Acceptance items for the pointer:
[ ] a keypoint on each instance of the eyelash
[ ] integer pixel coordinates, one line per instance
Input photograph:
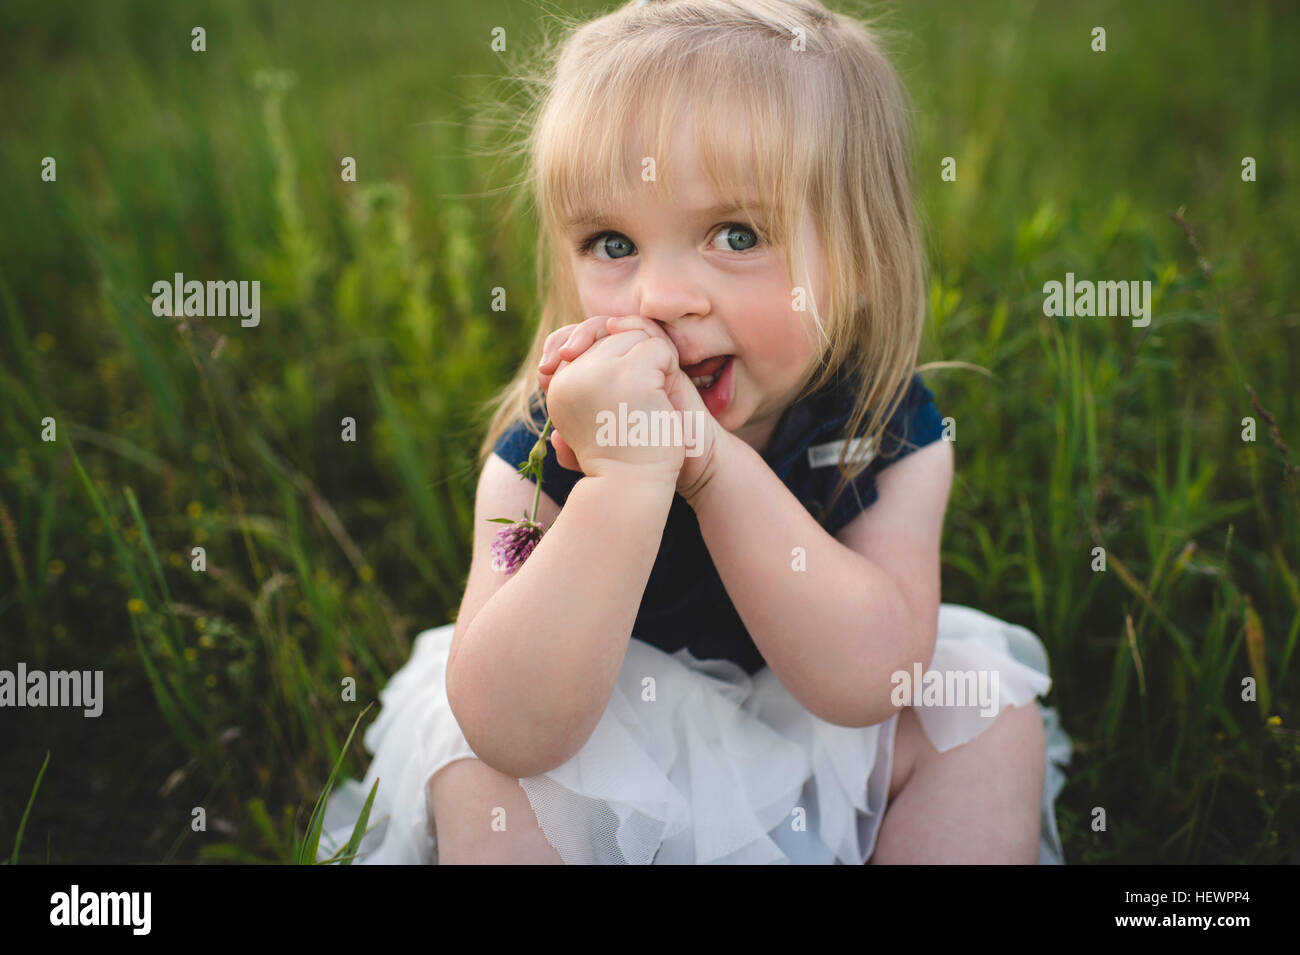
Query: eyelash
(585, 246)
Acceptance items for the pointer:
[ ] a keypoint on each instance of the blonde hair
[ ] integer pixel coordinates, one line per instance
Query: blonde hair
(827, 125)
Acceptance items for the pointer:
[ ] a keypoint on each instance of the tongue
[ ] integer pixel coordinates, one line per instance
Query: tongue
(707, 367)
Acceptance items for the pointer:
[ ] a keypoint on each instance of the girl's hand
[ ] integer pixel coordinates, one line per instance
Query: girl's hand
(561, 348)
(681, 391)
(709, 438)
(633, 367)
(565, 344)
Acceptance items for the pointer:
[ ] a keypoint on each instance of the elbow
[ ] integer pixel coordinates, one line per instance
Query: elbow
(855, 705)
(885, 692)
(869, 708)
(515, 766)
(863, 710)
(514, 752)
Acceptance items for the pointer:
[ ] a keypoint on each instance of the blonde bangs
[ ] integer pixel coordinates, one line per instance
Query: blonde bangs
(627, 110)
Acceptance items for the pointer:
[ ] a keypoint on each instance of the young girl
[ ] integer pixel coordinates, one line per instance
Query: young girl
(728, 646)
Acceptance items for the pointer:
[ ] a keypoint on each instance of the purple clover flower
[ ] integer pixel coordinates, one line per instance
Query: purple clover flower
(513, 544)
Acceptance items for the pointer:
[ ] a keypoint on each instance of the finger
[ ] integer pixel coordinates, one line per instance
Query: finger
(625, 323)
(681, 391)
(583, 337)
(544, 378)
(626, 342)
(619, 343)
(563, 453)
(659, 353)
(553, 343)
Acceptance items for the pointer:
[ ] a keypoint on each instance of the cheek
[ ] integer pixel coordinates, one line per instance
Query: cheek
(598, 298)
(768, 324)
(779, 347)
(587, 296)
(590, 292)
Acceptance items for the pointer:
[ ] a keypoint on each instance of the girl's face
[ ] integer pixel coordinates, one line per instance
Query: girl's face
(715, 284)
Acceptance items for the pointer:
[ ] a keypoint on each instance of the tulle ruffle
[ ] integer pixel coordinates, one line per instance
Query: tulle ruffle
(694, 762)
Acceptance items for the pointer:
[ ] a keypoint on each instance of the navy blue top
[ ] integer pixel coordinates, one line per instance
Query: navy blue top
(685, 603)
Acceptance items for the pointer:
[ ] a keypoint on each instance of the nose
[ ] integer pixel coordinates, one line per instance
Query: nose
(668, 293)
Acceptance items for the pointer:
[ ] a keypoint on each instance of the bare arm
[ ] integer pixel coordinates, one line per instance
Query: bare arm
(867, 603)
(536, 655)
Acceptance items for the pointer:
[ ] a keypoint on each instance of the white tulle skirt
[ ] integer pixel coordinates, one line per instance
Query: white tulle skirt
(721, 768)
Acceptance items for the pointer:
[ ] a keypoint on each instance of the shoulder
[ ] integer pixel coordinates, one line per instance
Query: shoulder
(910, 475)
(914, 424)
(910, 497)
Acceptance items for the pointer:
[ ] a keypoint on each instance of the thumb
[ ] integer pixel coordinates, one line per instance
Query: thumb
(682, 393)
(563, 453)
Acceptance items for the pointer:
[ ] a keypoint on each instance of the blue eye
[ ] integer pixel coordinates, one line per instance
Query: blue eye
(603, 240)
(745, 243)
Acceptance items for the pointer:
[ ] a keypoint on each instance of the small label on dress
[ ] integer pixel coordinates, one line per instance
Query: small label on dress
(820, 455)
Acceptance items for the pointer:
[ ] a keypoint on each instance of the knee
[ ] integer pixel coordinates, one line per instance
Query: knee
(481, 815)
(469, 774)
(466, 788)
(1028, 719)
(1020, 729)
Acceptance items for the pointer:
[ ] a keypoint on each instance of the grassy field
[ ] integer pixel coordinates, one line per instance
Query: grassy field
(325, 557)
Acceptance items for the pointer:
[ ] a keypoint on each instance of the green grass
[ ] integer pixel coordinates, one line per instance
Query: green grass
(325, 557)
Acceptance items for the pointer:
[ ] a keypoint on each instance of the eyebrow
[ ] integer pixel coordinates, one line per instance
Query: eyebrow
(589, 218)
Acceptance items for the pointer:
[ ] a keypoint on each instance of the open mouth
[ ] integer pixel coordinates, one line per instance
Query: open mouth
(713, 377)
(705, 374)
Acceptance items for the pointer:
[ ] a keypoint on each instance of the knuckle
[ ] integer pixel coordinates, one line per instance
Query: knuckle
(558, 336)
(567, 382)
(657, 348)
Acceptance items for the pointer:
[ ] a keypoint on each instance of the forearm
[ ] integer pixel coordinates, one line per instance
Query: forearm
(538, 663)
(833, 632)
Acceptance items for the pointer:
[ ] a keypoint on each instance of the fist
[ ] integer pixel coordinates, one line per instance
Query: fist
(619, 378)
(700, 432)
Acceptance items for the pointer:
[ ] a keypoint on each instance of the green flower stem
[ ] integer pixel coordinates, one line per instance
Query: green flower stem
(536, 460)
